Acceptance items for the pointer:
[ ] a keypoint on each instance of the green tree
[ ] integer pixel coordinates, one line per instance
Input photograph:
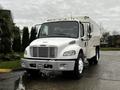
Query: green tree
(33, 34)
(7, 17)
(115, 40)
(25, 38)
(110, 41)
(104, 39)
(5, 37)
(16, 40)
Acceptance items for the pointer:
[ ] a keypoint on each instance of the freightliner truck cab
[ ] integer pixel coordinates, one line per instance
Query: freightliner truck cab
(64, 45)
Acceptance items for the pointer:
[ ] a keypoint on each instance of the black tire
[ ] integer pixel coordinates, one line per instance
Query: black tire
(77, 74)
(67, 74)
(94, 60)
(32, 72)
(97, 56)
(90, 61)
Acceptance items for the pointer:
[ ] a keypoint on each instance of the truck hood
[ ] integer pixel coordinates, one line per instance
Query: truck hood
(52, 41)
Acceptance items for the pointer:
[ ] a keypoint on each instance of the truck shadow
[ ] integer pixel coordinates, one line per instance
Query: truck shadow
(26, 79)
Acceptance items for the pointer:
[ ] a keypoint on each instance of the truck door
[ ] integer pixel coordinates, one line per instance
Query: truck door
(83, 42)
(86, 37)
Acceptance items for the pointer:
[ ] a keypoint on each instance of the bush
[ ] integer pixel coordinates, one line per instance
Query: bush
(9, 57)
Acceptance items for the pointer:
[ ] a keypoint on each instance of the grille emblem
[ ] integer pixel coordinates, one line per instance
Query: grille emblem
(43, 45)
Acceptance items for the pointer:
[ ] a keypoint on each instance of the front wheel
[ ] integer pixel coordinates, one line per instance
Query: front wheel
(79, 65)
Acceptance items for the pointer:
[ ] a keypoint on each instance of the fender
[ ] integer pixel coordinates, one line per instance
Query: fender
(75, 47)
(27, 52)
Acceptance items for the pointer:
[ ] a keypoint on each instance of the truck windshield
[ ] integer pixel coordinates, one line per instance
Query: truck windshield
(69, 29)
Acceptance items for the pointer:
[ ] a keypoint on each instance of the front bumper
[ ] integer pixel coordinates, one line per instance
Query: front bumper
(53, 65)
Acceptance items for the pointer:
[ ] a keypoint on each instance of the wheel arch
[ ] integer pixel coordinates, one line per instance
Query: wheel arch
(80, 51)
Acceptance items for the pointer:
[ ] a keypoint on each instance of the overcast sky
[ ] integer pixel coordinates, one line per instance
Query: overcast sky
(30, 12)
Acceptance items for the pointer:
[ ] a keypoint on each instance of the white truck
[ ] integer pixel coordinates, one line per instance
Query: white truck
(64, 45)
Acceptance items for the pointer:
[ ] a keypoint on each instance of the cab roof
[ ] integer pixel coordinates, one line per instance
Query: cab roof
(81, 19)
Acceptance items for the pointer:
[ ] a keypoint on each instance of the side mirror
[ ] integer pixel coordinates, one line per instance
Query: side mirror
(89, 32)
(89, 35)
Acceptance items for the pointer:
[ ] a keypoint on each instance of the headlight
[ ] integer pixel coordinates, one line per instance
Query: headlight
(69, 53)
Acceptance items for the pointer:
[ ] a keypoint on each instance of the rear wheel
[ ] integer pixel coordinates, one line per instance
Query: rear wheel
(94, 60)
(97, 56)
(90, 61)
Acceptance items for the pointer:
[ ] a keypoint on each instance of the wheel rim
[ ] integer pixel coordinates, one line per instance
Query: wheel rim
(80, 65)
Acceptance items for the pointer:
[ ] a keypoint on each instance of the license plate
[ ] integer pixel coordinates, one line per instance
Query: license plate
(48, 66)
(40, 66)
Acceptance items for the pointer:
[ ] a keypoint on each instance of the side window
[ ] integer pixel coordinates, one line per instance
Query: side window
(89, 30)
(92, 27)
(44, 31)
(81, 30)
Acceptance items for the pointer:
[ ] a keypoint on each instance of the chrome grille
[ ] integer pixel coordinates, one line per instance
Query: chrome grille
(50, 52)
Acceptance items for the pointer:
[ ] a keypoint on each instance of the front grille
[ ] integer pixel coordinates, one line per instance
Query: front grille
(49, 52)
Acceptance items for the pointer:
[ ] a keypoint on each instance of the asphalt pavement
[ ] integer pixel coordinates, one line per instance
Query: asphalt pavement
(104, 76)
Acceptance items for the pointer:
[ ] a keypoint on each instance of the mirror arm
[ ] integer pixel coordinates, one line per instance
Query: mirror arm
(83, 39)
